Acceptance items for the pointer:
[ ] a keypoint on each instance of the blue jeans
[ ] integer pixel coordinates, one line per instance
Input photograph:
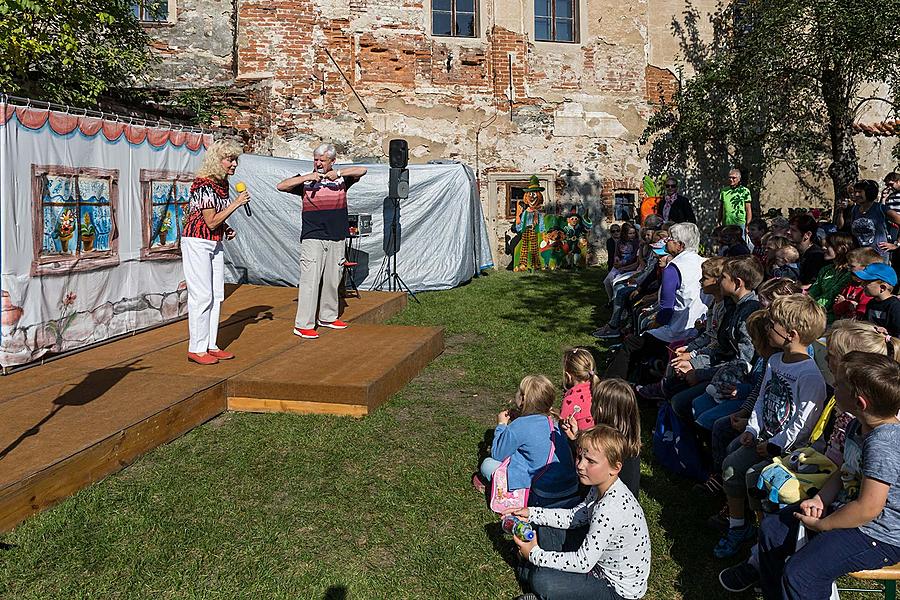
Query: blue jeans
(621, 295)
(810, 571)
(683, 401)
(707, 411)
(552, 584)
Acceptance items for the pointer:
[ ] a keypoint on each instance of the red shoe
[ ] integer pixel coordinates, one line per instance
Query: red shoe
(205, 359)
(307, 334)
(336, 324)
(220, 354)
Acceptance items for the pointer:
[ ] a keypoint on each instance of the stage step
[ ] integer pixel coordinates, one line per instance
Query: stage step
(348, 372)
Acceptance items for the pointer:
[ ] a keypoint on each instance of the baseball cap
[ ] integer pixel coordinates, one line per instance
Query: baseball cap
(659, 248)
(878, 272)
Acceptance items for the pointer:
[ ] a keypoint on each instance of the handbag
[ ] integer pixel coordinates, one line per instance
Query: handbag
(503, 498)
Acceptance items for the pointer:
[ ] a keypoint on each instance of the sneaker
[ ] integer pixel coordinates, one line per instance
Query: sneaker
(220, 354)
(202, 359)
(607, 333)
(528, 596)
(739, 578)
(336, 324)
(654, 391)
(732, 541)
(307, 334)
(711, 487)
(719, 521)
(478, 484)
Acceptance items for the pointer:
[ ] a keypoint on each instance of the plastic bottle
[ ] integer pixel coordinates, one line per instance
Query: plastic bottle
(517, 527)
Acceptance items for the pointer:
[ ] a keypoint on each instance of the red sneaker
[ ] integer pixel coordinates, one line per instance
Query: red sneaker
(336, 324)
(205, 359)
(220, 354)
(308, 334)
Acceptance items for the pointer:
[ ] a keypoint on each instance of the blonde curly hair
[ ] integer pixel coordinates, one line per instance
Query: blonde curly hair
(211, 167)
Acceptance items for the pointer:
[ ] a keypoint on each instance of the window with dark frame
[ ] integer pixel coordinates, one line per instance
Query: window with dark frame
(456, 18)
(515, 192)
(555, 20)
(151, 11)
(624, 206)
(165, 197)
(74, 219)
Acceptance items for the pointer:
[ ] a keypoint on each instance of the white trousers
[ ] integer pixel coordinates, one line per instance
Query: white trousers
(321, 261)
(204, 273)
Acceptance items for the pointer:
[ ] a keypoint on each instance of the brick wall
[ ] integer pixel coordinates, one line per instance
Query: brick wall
(661, 85)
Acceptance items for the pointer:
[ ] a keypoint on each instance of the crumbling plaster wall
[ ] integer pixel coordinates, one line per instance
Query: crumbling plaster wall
(500, 102)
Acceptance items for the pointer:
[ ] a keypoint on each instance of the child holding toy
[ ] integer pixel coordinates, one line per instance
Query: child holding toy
(862, 529)
(579, 379)
(613, 561)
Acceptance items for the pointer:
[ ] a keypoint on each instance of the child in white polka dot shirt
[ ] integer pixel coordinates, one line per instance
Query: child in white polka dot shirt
(613, 561)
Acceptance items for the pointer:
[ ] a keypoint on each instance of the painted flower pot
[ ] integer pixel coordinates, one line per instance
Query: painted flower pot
(162, 237)
(64, 242)
(11, 312)
(87, 243)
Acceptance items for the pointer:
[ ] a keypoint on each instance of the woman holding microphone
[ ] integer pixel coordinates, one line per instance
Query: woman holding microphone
(201, 248)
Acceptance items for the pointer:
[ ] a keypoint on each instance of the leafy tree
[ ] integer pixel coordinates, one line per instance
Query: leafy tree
(776, 82)
(71, 51)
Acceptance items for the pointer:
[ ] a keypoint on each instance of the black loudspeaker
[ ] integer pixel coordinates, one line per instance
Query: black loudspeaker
(399, 154)
(398, 183)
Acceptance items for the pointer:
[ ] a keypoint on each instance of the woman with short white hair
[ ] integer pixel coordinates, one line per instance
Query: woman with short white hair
(201, 248)
(680, 303)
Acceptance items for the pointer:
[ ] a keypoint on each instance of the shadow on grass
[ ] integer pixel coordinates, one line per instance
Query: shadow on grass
(504, 546)
(682, 516)
(547, 297)
(335, 592)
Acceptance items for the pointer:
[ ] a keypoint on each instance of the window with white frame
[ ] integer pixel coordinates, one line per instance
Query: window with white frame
(456, 18)
(151, 11)
(556, 20)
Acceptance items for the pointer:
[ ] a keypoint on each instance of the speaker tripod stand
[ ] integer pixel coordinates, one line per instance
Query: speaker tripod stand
(391, 278)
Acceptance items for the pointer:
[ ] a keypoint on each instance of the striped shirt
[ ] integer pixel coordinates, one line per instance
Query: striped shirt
(325, 209)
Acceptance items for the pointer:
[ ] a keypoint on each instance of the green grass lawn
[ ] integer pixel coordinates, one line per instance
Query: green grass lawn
(285, 506)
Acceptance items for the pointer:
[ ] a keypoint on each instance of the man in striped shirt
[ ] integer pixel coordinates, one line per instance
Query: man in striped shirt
(325, 227)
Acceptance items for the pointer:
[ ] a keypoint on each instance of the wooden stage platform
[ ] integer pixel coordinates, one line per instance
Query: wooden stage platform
(72, 421)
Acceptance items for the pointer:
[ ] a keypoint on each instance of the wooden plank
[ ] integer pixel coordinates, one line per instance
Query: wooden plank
(55, 483)
(270, 405)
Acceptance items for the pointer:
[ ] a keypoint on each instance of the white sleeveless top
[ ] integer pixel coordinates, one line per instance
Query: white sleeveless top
(689, 304)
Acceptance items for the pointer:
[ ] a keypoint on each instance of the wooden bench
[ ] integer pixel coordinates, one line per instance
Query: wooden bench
(889, 575)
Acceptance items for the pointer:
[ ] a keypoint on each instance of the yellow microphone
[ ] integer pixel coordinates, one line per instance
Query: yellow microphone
(241, 187)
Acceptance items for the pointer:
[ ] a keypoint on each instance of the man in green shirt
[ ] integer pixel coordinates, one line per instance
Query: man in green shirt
(734, 202)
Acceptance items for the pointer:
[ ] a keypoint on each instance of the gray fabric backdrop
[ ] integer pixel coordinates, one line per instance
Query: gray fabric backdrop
(443, 237)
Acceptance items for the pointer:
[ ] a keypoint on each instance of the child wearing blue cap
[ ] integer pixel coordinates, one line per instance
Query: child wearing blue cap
(879, 280)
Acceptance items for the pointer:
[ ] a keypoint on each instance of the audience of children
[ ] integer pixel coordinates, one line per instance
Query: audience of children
(740, 332)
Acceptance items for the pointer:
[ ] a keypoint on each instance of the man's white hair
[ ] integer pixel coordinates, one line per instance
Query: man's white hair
(325, 150)
(686, 233)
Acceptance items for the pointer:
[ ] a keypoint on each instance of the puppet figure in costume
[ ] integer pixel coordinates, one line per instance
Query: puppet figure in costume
(553, 255)
(530, 223)
(576, 243)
